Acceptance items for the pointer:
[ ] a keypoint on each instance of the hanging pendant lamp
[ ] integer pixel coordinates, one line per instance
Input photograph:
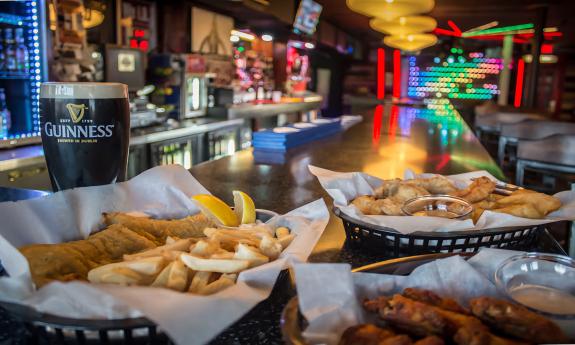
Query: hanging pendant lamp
(410, 43)
(404, 25)
(390, 9)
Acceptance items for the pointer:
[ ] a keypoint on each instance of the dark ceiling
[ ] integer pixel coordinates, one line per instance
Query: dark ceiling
(467, 14)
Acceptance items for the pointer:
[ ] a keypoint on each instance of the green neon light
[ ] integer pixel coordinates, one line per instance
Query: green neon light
(498, 31)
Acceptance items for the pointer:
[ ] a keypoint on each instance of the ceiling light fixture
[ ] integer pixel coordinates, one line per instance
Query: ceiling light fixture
(404, 25)
(243, 35)
(411, 43)
(390, 10)
(267, 38)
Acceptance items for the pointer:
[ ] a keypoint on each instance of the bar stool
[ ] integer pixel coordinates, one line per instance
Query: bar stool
(528, 130)
(486, 108)
(551, 156)
(492, 123)
(488, 127)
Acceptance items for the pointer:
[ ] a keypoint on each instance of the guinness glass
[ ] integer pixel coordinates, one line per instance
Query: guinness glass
(85, 133)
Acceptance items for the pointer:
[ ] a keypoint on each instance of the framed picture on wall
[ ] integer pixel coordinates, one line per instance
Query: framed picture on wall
(211, 32)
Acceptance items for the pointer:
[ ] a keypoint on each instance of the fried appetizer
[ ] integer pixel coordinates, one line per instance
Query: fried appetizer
(516, 320)
(407, 191)
(428, 297)
(72, 260)
(158, 229)
(387, 188)
(478, 190)
(421, 319)
(434, 185)
(430, 340)
(521, 203)
(480, 336)
(391, 205)
(368, 334)
(528, 204)
(367, 204)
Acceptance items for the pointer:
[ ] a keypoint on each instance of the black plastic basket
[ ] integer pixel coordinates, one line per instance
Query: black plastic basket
(391, 243)
(50, 329)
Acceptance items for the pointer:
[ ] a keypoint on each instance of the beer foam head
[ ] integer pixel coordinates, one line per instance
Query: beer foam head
(83, 90)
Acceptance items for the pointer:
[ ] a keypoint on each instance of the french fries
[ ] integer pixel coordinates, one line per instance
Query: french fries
(214, 265)
(199, 266)
(158, 251)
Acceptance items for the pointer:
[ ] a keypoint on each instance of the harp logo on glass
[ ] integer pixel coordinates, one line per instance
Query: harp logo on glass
(78, 131)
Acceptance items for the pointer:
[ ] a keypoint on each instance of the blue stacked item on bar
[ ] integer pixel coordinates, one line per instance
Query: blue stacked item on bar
(284, 138)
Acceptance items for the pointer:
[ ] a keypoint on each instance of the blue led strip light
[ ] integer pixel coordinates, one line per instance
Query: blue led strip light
(32, 38)
(470, 76)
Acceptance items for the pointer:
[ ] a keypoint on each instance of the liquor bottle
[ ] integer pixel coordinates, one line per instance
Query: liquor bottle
(10, 50)
(22, 64)
(4, 115)
(2, 53)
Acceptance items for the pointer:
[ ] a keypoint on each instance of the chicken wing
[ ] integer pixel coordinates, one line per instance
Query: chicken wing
(421, 319)
(516, 320)
(479, 336)
(365, 334)
(428, 297)
(430, 340)
(414, 317)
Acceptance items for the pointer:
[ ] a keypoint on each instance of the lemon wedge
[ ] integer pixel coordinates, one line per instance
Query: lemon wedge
(244, 207)
(216, 210)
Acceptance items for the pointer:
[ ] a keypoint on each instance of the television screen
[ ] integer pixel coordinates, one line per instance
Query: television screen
(307, 17)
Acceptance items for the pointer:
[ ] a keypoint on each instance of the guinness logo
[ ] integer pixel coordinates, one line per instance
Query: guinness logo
(76, 111)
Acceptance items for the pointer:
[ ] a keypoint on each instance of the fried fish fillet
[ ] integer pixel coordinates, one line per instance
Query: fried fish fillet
(72, 260)
(158, 229)
(516, 320)
(125, 235)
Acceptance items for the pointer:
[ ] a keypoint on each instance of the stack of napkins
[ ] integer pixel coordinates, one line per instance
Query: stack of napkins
(284, 138)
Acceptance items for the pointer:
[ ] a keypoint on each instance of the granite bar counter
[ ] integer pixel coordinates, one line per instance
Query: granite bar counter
(389, 140)
(257, 110)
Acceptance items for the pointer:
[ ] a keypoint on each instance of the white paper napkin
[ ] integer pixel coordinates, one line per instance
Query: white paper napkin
(330, 313)
(164, 192)
(344, 187)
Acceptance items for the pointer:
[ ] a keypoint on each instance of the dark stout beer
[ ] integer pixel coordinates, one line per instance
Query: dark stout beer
(85, 133)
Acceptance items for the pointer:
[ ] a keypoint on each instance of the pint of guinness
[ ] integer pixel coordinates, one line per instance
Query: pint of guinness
(85, 133)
